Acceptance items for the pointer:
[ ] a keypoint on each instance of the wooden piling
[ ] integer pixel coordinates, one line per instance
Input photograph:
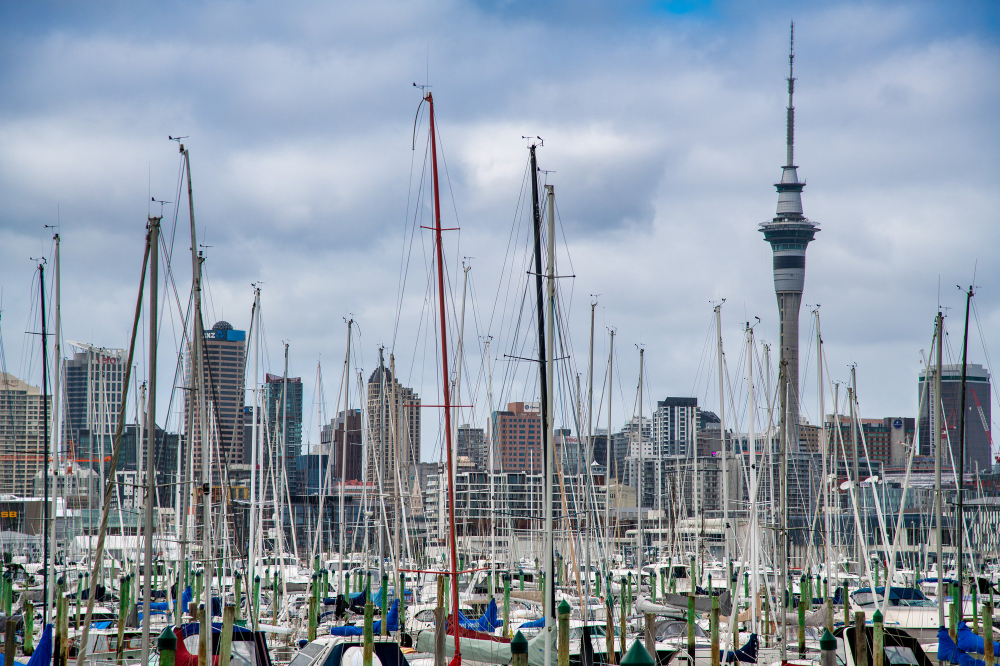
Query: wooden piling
(226, 639)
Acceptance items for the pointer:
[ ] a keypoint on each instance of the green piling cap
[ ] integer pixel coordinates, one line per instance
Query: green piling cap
(827, 642)
(519, 644)
(637, 656)
(257, 578)
(166, 640)
(877, 617)
(563, 607)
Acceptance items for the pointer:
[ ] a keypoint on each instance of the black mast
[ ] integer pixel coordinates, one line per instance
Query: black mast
(45, 447)
(542, 372)
(960, 533)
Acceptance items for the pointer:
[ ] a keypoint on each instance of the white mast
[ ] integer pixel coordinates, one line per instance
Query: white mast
(938, 421)
(607, 451)
(642, 463)
(492, 463)
(50, 528)
(722, 428)
(827, 554)
(752, 414)
(254, 509)
(343, 462)
(590, 448)
(549, 466)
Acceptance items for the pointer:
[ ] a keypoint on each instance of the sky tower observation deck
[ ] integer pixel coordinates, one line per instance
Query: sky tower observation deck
(789, 232)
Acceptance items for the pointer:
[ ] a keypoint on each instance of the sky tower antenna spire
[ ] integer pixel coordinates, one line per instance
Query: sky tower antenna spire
(790, 130)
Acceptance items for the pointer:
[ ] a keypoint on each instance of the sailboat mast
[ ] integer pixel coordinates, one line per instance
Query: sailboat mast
(343, 464)
(938, 420)
(549, 426)
(642, 463)
(50, 530)
(45, 438)
(752, 416)
(147, 528)
(722, 428)
(198, 402)
(252, 553)
(590, 450)
(823, 447)
(607, 455)
(457, 659)
(960, 529)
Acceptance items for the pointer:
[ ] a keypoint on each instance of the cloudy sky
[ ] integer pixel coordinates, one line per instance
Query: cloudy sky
(663, 127)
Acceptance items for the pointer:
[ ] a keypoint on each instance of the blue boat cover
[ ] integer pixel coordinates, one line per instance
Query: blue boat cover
(746, 654)
(42, 656)
(487, 622)
(896, 593)
(533, 624)
(968, 641)
(948, 652)
(354, 630)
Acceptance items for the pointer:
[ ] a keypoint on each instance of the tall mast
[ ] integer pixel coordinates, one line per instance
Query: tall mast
(549, 426)
(960, 530)
(457, 659)
(198, 403)
(938, 421)
(607, 452)
(45, 438)
(722, 428)
(492, 466)
(752, 415)
(50, 531)
(254, 511)
(148, 527)
(859, 539)
(642, 463)
(343, 463)
(590, 446)
(823, 447)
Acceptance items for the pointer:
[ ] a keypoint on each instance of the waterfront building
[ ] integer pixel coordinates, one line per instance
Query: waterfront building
(393, 431)
(94, 379)
(517, 437)
(977, 415)
(23, 411)
(223, 375)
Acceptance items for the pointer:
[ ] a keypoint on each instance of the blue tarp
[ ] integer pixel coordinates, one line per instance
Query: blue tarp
(487, 622)
(948, 652)
(42, 656)
(353, 630)
(968, 641)
(896, 593)
(192, 628)
(746, 654)
(187, 596)
(533, 624)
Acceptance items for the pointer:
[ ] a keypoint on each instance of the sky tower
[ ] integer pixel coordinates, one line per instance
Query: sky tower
(789, 232)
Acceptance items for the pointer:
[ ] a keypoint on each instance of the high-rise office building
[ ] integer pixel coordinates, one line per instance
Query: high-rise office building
(283, 419)
(472, 445)
(789, 232)
(517, 437)
(22, 441)
(675, 426)
(331, 439)
(393, 430)
(977, 415)
(223, 372)
(95, 379)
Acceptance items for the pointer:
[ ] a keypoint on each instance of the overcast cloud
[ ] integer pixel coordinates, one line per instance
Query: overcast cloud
(664, 125)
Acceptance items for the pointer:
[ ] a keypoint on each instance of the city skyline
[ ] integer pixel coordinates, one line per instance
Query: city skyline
(674, 161)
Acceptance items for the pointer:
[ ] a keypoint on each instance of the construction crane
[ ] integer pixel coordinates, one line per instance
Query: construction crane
(982, 417)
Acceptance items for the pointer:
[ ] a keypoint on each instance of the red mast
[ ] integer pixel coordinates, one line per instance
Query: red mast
(457, 659)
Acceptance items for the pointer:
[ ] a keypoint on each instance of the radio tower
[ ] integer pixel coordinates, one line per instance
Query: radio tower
(789, 232)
